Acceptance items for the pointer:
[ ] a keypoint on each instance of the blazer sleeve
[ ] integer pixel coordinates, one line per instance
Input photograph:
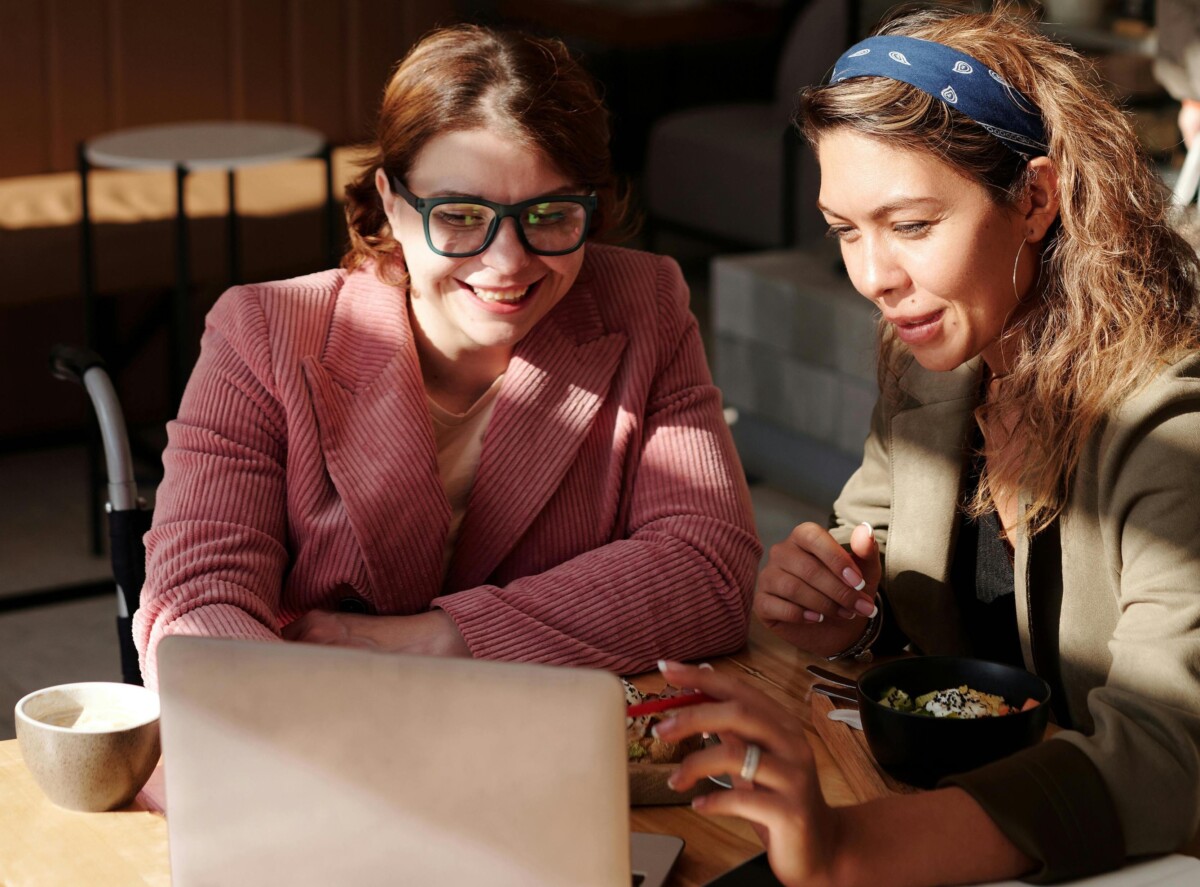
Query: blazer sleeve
(1131, 787)
(679, 584)
(215, 554)
(1146, 741)
(867, 495)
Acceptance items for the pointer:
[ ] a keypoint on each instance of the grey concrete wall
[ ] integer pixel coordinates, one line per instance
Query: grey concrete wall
(795, 357)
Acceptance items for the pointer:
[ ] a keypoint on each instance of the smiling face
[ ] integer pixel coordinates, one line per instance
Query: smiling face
(482, 306)
(928, 246)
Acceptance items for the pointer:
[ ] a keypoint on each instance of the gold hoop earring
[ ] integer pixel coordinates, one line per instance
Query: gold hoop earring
(1017, 261)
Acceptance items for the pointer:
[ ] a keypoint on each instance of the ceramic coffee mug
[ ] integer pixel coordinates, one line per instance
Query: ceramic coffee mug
(90, 746)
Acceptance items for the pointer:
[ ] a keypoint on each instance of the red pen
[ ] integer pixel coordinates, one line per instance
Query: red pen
(656, 705)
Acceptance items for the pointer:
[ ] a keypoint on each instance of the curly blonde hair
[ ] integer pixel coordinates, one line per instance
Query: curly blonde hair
(1116, 298)
(470, 77)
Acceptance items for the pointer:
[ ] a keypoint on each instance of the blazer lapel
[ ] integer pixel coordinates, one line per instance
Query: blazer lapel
(557, 380)
(377, 439)
(926, 440)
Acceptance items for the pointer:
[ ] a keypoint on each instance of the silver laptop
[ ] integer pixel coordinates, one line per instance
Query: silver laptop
(307, 765)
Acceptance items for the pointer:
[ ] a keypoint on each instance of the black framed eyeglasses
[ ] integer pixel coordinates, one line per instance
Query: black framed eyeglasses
(460, 227)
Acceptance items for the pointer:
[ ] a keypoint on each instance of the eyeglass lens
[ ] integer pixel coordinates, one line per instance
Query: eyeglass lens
(554, 226)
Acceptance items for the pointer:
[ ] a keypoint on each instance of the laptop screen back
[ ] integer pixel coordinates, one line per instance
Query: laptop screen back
(309, 765)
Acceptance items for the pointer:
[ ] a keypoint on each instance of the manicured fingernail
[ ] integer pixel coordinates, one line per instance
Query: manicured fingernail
(855, 581)
(663, 665)
(870, 529)
(846, 614)
(673, 780)
(704, 666)
(866, 607)
(699, 801)
(663, 725)
(813, 616)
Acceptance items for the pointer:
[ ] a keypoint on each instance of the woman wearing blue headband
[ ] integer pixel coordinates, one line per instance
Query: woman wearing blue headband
(1032, 472)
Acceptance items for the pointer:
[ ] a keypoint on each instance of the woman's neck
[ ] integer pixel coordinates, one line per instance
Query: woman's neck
(996, 364)
(455, 387)
(455, 380)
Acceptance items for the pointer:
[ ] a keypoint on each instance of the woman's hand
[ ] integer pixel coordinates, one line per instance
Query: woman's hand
(783, 799)
(936, 837)
(431, 634)
(812, 590)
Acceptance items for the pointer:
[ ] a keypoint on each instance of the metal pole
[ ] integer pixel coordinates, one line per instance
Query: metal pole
(87, 274)
(330, 207)
(180, 332)
(235, 254)
(87, 269)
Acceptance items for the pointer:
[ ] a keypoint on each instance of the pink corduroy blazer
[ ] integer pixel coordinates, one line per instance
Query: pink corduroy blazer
(609, 524)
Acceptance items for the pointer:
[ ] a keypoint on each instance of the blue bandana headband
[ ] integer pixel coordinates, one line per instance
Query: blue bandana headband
(953, 77)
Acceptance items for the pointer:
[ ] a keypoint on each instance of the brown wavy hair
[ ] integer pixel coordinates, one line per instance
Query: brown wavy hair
(1116, 296)
(469, 77)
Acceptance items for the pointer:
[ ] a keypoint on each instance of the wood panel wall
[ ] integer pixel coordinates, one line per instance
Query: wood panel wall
(72, 69)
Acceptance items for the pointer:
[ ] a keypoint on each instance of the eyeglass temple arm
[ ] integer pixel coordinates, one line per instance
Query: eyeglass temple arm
(401, 191)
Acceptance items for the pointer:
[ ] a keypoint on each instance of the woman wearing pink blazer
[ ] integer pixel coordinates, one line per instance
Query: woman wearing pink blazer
(484, 435)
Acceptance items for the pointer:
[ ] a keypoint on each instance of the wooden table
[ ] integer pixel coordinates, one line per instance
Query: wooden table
(42, 844)
(714, 845)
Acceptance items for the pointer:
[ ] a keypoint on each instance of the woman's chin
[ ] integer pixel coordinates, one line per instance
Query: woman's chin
(937, 361)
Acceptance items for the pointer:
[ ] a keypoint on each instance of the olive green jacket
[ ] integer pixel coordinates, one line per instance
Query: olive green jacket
(1108, 609)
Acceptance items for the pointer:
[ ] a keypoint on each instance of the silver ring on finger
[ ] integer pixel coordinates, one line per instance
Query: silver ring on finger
(750, 762)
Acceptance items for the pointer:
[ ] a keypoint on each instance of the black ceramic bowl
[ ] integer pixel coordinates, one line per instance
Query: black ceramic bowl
(919, 749)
